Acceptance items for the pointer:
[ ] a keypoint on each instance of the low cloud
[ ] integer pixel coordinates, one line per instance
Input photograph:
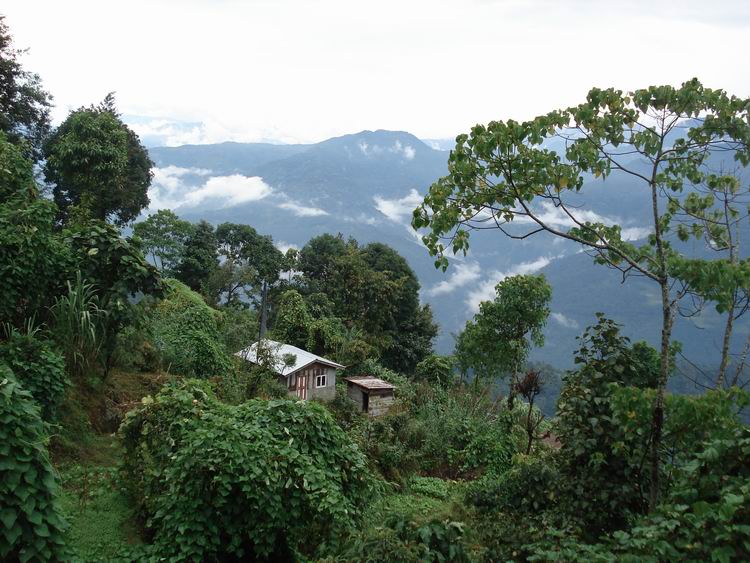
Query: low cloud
(463, 274)
(635, 233)
(485, 291)
(398, 210)
(302, 210)
(174, 187)
(229, 190)
(564, 321)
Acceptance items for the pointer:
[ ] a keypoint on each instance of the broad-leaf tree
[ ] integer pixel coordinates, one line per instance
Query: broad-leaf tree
(163, 235)
(24, 104)
(498, 339)
(199, 259)
(97, 166)
(503, 176)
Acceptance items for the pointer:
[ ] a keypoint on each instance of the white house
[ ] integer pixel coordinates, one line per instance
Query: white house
(305, 375)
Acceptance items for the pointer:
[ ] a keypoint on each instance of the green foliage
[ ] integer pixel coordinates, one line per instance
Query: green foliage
(293, 321)
(97, 166)
(405, 541)
(529, 486)
(259, 479)
(163, 235)
(436, 369)
(237, 326)
(31, 527)
(185, 331)
(500, 336)
(706, 516)
(24, 104)
(373, 289)
(118, 273)
(77, 326)
(600, 461)
(429, 486)
(39, 368)
(32, 260)
(199, 259)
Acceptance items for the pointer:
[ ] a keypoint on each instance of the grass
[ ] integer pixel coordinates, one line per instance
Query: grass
(102, 522)
(86, 453)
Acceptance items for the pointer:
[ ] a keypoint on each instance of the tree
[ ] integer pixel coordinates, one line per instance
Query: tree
(251, 262)
(436, 369)
(498, 339)
(199, 259)
(97, 166)
(293, 321)
(116, 268)
(24, 104)
(163, 235)
(660, 137)
(32, 259)
(317, 258)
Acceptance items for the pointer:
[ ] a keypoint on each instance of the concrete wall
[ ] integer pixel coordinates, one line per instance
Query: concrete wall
(325, 393)
(379, 401)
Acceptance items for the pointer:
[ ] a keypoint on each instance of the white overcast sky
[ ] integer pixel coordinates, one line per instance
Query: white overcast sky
(309, 69)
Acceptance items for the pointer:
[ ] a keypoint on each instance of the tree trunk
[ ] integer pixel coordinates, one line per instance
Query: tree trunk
(657, 420)
(725, 347)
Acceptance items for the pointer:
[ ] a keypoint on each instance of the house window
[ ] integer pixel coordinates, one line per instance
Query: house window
(320, 381)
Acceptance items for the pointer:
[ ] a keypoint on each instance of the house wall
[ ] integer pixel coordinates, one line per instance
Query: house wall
(325, 393)
(354, 392)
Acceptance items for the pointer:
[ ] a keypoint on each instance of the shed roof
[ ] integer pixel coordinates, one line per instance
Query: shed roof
(303, 358)
(369, 382)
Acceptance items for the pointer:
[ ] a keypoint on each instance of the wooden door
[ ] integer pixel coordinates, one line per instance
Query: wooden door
(302, 385)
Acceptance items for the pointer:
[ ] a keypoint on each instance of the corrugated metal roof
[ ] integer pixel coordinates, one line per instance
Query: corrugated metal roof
(369, 382)
(303, 358)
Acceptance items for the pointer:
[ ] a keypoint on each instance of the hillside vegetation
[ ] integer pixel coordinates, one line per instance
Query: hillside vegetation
(132, 431)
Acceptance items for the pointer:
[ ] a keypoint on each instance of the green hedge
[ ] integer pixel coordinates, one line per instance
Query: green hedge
(258, 480)
(185, 330)
(31, 527)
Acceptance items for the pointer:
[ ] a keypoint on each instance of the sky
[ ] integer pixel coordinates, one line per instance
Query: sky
(305, 70)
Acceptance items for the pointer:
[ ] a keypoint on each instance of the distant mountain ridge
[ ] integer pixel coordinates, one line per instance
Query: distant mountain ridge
(366, 184)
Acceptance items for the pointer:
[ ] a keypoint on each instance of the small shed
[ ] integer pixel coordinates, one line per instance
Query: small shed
(374, 396)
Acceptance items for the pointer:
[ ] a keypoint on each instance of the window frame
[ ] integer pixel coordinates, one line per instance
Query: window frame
(321, 377)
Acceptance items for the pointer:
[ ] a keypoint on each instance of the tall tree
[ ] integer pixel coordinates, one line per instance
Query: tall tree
(97, 166)
(24, 104)
(199, 258)
(498, 339)
(163, 235)
(661, 137)
(251, 262)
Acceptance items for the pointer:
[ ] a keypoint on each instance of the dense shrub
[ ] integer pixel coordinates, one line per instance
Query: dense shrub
(600, 462)
(31, 526)
(406, 542)
(39, 367)
(528, 487)
(429, 486)
(261, 479)
(185, 330)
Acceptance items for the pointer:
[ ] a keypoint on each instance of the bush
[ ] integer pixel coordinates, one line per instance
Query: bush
(429, 486)
(32, 527)
(185, 330)
(527, 487)
(39, 367)
(257, 480)
(403, 541)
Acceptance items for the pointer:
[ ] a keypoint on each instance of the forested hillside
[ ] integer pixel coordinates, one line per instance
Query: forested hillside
(136, 425)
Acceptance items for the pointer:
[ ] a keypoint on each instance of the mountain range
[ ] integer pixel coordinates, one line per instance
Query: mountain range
(365, 185)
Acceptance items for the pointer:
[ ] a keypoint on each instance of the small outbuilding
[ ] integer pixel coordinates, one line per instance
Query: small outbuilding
(305, 375)
(374, 396)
